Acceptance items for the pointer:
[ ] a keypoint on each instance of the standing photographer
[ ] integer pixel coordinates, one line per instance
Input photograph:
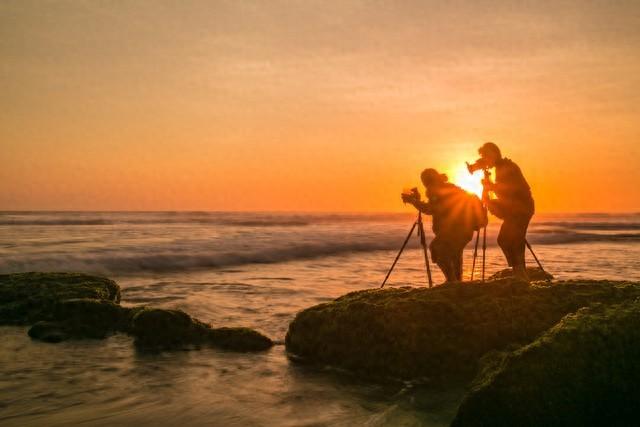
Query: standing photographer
(513, 204)
(456, 214)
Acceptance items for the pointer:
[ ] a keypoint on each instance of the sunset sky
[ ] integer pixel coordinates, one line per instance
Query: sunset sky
(313, 105)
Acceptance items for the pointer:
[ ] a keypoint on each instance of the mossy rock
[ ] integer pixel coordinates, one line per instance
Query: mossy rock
(26, 298)
(156, 328)
(438, 334)
(166, 329)
(239, 339)
(51, 332)
(535, 275)
(584, 371)
(73, 305)
(81, 318)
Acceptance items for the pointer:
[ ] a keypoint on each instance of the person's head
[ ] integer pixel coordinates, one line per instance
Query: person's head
(432, 178)
(490, 154)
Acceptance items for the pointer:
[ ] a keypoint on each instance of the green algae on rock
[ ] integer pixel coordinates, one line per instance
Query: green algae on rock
(82, 318)
(583, 371)
(535, 274)
(438, 334)
(62, 306)
(160, 328)
(26, 298)
(239, 339)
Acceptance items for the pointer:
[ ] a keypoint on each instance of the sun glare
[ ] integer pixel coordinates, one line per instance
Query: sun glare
(468, 182)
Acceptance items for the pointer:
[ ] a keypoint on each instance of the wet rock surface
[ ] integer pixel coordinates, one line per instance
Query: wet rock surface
(26, 298)
(535, 275)
(62, 306)
(583, 371)
(239, 339)
(159, 328)
(439, 334)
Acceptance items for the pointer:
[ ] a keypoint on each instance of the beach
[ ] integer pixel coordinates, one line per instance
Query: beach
(246, 269)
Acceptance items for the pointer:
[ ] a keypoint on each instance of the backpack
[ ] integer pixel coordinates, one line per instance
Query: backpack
(459, 211)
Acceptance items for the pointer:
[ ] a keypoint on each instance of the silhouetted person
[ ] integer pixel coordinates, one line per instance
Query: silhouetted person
(513, 204)
(456, 214)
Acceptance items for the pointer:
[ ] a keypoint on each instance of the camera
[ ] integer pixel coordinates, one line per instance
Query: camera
(478, 165)
(410, 195)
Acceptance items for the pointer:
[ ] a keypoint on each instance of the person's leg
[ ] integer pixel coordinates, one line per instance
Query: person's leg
(461, 242)
(519, 247)
(441, 255)
(447, 269)
(457, 266)
(435, 248)
(505, 240)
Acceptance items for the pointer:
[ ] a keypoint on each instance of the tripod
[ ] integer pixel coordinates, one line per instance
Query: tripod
(484, 249)
(423, 242)
(485, 195)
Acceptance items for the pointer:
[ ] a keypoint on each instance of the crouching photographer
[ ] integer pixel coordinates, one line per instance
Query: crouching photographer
(456, 215)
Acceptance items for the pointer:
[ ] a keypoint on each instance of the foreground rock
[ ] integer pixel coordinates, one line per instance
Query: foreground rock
(158, 328)
(26, 298)
(584, 371)
(68, 305)
(438, 334)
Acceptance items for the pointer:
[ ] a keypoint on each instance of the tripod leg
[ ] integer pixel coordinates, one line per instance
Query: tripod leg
(399, 253)
(423, 242)
(475, 254)
(534, 256)
(484, 250)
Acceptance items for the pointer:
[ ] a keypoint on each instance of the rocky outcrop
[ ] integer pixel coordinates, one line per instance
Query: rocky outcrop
(535, 275)
(583, 371)
(159, 328)
(438, 334)
(26, 298)
(61, 306)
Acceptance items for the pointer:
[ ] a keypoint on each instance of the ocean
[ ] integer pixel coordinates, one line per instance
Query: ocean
(255, 270)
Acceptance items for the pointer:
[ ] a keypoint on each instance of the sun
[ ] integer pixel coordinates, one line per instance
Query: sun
(468, 182)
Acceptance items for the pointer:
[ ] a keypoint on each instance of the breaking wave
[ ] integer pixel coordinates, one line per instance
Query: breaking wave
(101, 242)
(189, 218)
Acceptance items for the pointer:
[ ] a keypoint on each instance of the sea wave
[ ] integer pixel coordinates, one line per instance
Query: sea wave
(165, 260)
(592, 225)
(233, 219)
(568, 237)
(186, 254)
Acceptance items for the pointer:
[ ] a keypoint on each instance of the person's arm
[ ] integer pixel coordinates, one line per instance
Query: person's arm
(414, 199)
(510, 179)
(424, 207)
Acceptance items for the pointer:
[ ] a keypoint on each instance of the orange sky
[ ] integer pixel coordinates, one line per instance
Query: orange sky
(312, 105)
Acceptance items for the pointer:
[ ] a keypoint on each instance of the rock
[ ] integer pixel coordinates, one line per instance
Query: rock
(91, 318)
(438, 334)
(535, 275)
(583, 371)
(160, 328)
(52, 332)
(239, 339)
(81, 318)
(73, 305)
(169, 329)
(26, 298)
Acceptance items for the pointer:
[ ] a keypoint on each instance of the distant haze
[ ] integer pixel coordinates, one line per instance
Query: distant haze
(313, 105)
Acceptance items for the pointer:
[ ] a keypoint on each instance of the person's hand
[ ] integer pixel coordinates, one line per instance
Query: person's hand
(487, 185)
(407, 198)
(413, 197)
